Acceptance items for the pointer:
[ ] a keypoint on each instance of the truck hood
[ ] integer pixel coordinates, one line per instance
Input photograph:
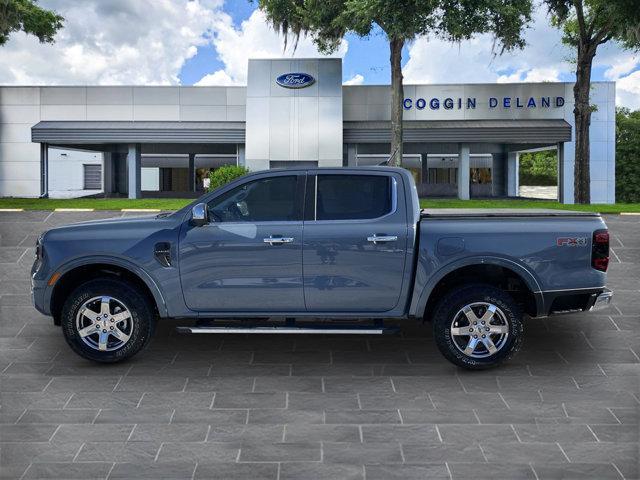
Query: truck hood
(110, 227)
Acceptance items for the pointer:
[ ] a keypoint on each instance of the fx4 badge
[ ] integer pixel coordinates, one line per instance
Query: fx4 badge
(571, 241)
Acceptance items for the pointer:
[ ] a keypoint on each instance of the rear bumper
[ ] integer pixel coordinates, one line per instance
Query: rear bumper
(601, 300)
(571, 301)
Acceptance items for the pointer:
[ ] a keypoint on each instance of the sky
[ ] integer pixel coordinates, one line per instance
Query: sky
(208, 42)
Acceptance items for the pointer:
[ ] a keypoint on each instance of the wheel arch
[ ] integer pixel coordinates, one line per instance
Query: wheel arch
(496, 271)
(82, 270)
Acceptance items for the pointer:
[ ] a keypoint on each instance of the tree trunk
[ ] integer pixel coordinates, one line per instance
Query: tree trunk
(582, 115)
(396, 45)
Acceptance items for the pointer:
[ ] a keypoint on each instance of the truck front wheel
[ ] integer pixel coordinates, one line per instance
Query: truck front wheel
(107, 320)
(478, 326)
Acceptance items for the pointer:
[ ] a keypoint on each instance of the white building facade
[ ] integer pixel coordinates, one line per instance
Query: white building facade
(460, 140)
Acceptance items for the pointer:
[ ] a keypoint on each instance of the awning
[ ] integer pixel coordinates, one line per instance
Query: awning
(137, 132)
(476, 131)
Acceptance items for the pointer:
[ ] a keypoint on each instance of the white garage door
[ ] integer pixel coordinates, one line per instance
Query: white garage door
(92, 177)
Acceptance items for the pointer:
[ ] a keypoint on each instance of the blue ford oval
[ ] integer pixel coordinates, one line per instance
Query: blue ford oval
(295, 80)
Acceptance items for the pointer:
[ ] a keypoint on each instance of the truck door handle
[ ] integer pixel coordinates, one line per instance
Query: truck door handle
(272, 240)
(382, 238)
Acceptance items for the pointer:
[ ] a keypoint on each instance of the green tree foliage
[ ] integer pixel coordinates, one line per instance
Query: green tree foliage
(627, 156)
(539, 168)
(587, 24)
(328, 21)
(27, 16)
(223, 175)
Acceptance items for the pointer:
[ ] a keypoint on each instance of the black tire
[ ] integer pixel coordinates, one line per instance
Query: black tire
(464, 295)
(140, 329)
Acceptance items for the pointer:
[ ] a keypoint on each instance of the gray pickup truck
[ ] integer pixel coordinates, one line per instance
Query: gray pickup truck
(323, 244)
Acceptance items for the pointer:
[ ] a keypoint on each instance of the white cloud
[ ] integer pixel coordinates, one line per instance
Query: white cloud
(219, 77)
(436, 61)
(357, 79)
(622, 65)
(628, 91)
(253, 39)
(531, 75)
(115, 42)
(545, 58)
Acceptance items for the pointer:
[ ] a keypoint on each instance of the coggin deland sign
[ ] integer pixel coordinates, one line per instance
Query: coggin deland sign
(469, 103)
(302, 80)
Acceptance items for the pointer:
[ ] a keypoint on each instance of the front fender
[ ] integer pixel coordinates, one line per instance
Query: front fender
(118, 262)
(419, 300)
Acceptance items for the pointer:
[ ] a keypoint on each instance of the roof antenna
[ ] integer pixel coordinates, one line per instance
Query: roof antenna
(385, 163)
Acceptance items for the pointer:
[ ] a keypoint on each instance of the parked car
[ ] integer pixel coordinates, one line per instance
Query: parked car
(321, 243)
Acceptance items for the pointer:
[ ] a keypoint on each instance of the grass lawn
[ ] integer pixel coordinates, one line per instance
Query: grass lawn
(177, 203)
(95, 203)
(516, 203)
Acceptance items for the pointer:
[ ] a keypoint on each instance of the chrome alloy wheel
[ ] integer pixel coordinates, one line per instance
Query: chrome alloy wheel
(479, 329)
(104, 323)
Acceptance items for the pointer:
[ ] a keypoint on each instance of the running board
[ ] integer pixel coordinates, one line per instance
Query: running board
(321, 330)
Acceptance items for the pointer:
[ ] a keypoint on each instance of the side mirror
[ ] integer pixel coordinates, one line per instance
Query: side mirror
(199, 214)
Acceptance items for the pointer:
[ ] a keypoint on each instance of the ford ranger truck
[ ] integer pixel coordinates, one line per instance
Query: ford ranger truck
(330, 244)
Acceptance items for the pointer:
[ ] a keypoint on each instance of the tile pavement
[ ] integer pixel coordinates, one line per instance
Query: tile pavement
(319, 408)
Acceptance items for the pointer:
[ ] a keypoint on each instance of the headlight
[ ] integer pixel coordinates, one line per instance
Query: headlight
(39, 248)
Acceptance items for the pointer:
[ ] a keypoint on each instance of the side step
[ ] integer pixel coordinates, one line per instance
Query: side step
(315, 329)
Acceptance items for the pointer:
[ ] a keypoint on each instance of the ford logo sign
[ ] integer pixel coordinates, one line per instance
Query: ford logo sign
(295, 80)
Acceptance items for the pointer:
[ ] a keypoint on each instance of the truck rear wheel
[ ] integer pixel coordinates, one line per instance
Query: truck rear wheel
(107, 320)
(478, 326)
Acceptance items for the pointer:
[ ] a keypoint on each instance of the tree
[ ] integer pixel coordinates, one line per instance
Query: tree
(587, 24)
(328, 21)
(28, 17)
(627, 155)
(539, 168)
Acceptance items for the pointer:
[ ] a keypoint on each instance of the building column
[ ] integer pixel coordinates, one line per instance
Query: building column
(107, 173)
(44, 170)
(561, 176)
(241, 158)
(513, 172)
(192, 172)
(463, 171)
(352, 155)
(134, 169)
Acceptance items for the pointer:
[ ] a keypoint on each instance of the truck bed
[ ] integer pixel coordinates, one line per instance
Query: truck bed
(500, 213)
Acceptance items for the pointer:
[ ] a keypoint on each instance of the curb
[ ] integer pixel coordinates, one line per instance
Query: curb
(140, 210)
(74, 209)
(11, 209)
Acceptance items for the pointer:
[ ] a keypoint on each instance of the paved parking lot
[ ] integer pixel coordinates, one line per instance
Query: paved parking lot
(310, 407)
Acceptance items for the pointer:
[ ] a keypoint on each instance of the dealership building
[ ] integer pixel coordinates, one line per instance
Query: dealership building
(460, 140)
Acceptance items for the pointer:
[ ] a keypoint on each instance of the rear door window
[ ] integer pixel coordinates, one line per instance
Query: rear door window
(352, 197)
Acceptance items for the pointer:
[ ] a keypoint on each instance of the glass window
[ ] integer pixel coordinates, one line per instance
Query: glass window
(352, 197)
(443, 175)
(480, 175)
(266, 200)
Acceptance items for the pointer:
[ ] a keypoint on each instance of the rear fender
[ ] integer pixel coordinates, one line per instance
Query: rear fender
(420, 299)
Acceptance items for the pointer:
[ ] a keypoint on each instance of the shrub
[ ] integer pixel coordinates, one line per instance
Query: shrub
(627, 156)
(223, 175)
(539, 168)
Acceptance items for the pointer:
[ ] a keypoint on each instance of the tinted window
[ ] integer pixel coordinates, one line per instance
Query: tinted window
(345, 197)
(268, 199)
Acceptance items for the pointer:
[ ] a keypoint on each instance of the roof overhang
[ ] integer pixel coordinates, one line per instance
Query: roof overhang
(475, 131)
(59, 132)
